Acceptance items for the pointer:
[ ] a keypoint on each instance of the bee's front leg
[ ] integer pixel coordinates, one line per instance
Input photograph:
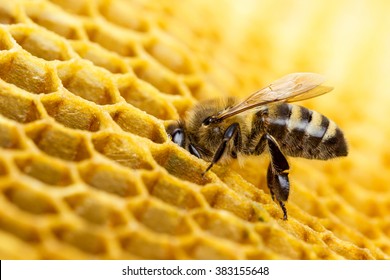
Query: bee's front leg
(277, 174)
(230, 133)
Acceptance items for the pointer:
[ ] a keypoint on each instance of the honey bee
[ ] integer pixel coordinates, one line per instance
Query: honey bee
(216, 130)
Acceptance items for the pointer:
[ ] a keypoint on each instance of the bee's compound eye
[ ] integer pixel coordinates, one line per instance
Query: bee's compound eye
(207, 120)
(178, 137)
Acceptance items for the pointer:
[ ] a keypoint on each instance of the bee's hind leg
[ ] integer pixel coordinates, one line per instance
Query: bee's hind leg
(277, 174)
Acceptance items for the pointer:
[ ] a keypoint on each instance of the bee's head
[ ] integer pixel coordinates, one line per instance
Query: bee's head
(179, 137)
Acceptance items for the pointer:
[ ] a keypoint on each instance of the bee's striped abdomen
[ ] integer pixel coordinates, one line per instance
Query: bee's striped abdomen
(301, 132)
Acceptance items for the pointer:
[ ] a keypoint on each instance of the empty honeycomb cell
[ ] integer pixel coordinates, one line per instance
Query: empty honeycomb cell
(123, 14)
(222, 225)
(59, 142)
(28, 73)
(202, 91)
(112, 38)
(3, 168)
(199, 90)
(8, 13)
(263, 254)
(29, 200)
(385, 226)
(110, 179)
(95, 211)
(303, 232)
(44, 169)
(169, 54)
(85, 240)
(139, 123)
(160, 217)
(16, 105)
(100, 56)
(72, 113)
(5, 40)
(311, 222)
(340, 232)
(361, 224)
(145, 97)
(306, 202)
(12, 246)
(18, 228)
(74, 6)
(346, 249)
(148, 246)
(212, 249)
(176, 163)
(222, 198)
(87, 82)
(171, 191)
(285, 245)
(182, 105)
(123, 149)
(41, 43)
(54, 19)
(10, 137)
(385, 248)
(155, 75)
(325, 253)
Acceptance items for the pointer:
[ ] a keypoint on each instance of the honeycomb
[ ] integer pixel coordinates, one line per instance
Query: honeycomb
(87, 170)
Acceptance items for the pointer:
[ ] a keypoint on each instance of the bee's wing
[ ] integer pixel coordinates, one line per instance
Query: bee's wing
(290, 88)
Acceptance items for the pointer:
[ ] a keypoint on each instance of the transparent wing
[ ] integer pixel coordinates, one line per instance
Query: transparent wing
(291, 88)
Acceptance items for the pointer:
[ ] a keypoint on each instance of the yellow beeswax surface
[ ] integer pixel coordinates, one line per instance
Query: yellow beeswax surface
(87, 170)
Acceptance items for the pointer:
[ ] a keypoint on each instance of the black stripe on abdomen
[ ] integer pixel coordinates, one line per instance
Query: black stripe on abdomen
(300, 119)
(316, 129)
(303, 133)
(278, 119)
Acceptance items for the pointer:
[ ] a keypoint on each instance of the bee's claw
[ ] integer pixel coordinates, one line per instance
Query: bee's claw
(207, 169)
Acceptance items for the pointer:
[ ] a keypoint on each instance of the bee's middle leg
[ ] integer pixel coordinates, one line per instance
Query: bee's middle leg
(277, 174)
